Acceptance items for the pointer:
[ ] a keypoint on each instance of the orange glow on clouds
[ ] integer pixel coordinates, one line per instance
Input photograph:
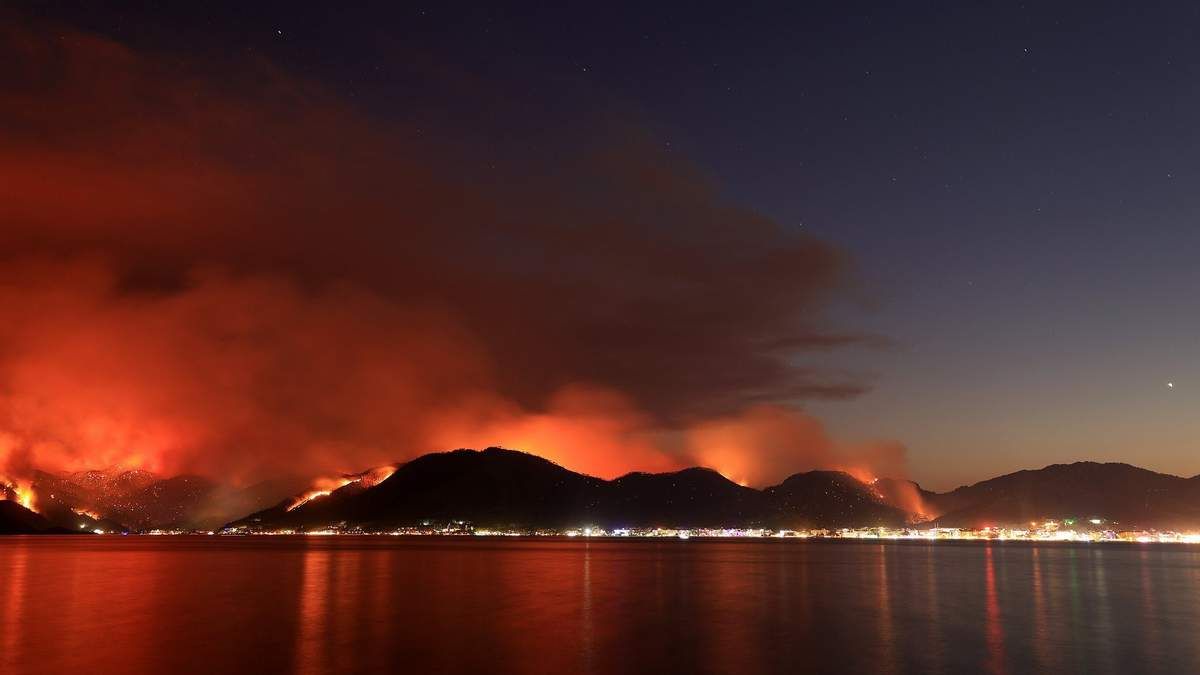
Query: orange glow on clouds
(765, 444)
(601, 433)
(195, 296)
(587, 429)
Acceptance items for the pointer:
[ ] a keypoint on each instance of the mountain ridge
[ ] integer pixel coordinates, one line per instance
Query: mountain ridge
(1115, 492)
(502, 487)
(510, 488)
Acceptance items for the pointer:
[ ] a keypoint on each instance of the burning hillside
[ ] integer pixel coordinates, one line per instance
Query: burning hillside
(19, 491)
(323, 487)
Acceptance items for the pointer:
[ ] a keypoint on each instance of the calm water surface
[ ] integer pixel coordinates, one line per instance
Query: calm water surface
(426, 605)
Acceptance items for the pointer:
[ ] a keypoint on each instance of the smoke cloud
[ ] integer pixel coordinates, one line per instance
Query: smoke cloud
(218, 267)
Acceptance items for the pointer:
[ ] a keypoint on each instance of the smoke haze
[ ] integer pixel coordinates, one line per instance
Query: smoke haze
(221, 268)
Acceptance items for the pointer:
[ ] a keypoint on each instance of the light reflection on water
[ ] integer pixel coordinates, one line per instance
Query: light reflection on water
(314, 600)
(993, 628)
(339, 604)
(11, 623)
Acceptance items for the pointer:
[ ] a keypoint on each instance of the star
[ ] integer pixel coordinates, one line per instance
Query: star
(1170, 385)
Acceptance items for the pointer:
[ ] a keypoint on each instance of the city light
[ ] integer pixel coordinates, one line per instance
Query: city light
(1044, 531)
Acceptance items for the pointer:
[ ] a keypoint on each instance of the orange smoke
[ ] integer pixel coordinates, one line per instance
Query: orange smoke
(185, 382)
(184, 293)
(584, 428)
(764, 444)
(181, 382)
(601, 433)
(906, 496)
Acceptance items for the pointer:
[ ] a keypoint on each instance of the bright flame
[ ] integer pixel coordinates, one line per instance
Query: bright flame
(323, 487)
(375, 476)
(20, 491)
(898, 493)
(85, 512)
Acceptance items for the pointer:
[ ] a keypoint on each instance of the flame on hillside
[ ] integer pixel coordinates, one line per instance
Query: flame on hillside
(862, 474)
(899, 493)
(87, 513)
(19, 491)
(323, 487)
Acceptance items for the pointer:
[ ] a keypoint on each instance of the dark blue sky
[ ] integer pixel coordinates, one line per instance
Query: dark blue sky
(1016, 185)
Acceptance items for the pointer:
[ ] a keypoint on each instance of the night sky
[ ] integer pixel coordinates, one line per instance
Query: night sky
(999, 202)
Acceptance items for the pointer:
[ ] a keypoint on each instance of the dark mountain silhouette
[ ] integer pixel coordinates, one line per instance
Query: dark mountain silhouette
(689, 498)
(494, 487)
(16, 519)
(506, 488)
(1083, 490)
(75, 519)
(830, 498)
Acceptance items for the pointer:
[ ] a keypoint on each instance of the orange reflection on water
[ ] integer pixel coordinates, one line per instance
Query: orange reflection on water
(994, 631)
(587, 626)
(314, 612)
(196, 605)
(12, 619)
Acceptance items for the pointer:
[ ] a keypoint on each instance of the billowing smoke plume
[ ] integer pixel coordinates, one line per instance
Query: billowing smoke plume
(225, 269)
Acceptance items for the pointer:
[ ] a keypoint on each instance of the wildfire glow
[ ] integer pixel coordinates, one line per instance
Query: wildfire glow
(20, 491)
(323, 487)
(861, 474)
(85, 512)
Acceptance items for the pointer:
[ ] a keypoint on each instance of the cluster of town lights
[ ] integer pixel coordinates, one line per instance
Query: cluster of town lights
(1096, 530)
